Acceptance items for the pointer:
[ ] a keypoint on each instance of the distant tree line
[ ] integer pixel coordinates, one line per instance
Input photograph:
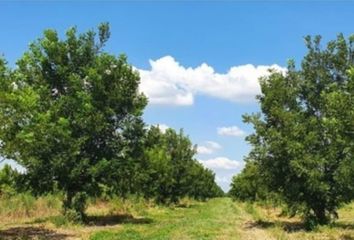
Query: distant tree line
(71, 115)
(303, 145)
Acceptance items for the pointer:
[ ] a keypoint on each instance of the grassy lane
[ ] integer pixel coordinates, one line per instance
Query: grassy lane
(223, 219)
(219, 219)
(212, 220)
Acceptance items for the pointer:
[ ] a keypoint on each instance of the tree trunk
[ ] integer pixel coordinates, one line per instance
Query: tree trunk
(321, 217)
(68, 202)
(74, 206)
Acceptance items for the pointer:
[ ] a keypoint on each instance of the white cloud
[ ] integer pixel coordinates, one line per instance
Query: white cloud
(221, 163)
(168, 82)
(222, 179)
(204, 150)
(12, 163)
(224, 169)
(214, 145)
(224, 174)
(208, 148)
(231, 131)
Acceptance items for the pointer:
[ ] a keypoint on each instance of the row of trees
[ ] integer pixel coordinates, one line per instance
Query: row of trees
(303, 144)
(172, 172)
(71, 114)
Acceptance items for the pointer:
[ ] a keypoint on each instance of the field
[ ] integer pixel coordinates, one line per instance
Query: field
(221, 218)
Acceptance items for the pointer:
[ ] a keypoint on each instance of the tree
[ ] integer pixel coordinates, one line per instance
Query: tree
(248, 185)
(8, 181)
(172, 172)
(158, 179)
(70, 114)
(182, 153)
(303, 140)
(203, 185)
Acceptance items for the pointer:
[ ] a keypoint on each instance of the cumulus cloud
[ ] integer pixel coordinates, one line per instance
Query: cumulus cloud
(204, 150)
(221, 163)
(168, 82)
(224, 169)
(223, 179)
(231, 131)
(12, 163)
(208, 148)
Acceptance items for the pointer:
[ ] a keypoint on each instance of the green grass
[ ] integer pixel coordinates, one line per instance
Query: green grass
(203, 221)
(223, 219)
(136, 219)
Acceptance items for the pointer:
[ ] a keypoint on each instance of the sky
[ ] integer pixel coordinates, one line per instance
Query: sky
(199, 61)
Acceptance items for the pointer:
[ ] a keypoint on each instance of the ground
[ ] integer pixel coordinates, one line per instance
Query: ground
(219, 218)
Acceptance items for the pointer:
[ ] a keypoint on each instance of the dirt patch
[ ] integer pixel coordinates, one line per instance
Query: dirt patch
(249, 232)
(32, 233)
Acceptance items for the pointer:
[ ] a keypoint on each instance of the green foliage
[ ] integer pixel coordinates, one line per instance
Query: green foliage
(8, 181)
(203, 184)
(248, 185)
(74, 206)
(172, 171)
(70, 114)
(303, 140)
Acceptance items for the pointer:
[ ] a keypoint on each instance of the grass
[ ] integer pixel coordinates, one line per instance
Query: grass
(208, 220)
(24, 207)
(135, 219)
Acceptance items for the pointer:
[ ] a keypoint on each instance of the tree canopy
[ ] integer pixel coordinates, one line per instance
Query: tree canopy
(71, 114)
(172, 171)
(303, 141)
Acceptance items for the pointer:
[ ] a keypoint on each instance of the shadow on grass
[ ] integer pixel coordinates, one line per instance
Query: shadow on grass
(344, 226)
(100, 220)
(287, 226)
(31, 233)
(293, 226)
(259, 224)
(109, 220)
(184, 205)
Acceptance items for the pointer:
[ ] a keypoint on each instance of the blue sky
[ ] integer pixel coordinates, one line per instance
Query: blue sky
(199, 61)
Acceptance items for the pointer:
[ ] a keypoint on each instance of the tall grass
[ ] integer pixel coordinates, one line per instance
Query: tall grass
(24, 206)
(133, 205)
(251, 209)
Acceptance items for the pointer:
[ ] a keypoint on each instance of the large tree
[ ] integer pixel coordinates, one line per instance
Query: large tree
(70, 113)
(304, 138)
